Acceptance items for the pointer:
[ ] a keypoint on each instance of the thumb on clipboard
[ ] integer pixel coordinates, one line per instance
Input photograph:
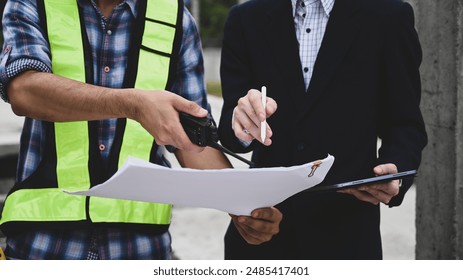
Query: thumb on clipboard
(377, 192)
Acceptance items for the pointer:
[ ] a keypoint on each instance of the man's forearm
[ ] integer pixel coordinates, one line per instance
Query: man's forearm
(209, 158)
(50, 97)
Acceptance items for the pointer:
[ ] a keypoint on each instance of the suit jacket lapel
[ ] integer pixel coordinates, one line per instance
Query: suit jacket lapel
(342, 27)
(280, 33)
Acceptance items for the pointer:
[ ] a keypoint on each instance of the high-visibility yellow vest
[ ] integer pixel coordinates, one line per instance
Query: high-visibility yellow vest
(71, 161)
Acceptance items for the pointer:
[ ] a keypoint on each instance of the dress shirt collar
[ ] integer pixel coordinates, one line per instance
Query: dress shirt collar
(326, 4)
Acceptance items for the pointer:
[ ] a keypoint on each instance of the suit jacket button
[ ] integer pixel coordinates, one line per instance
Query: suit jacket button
(300, 146)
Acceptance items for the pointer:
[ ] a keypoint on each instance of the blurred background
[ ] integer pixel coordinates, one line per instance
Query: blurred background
(428, 225)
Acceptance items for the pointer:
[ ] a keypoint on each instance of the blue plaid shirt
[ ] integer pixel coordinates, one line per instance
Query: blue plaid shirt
(25, 48)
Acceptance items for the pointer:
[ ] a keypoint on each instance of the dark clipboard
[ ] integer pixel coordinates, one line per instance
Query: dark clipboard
(366, 181)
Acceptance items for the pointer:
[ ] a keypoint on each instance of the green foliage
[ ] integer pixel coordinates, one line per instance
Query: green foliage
(214, 88)
(213, 15)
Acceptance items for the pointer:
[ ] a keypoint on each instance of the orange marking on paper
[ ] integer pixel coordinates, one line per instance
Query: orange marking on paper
(315, 165)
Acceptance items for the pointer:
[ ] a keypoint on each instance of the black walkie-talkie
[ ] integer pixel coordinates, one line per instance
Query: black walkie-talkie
(203, 132)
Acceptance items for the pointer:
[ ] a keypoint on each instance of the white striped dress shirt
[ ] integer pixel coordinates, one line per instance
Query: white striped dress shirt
(310, 20)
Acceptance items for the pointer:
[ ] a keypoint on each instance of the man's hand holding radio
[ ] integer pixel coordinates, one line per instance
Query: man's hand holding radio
(158, 114)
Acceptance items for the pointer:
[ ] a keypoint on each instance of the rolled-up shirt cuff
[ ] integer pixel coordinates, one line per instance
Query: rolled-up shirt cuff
(17, 67)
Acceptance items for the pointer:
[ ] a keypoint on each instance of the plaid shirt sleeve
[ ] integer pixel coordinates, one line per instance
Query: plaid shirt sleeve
(24, 46)
(189, 82)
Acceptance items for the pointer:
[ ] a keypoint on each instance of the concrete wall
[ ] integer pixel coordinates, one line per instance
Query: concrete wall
(439, 205)
(212, 64)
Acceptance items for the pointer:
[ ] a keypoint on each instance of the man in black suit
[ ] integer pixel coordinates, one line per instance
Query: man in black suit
(339, 75)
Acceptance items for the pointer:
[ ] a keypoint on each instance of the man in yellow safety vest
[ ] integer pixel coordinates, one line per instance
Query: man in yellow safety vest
(95, 80)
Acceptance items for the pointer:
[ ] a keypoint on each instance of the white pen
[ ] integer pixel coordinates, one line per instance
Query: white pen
(263, 125)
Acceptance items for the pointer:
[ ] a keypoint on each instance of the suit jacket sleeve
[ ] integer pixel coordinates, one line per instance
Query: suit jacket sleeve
(235, 77)
(402, 129)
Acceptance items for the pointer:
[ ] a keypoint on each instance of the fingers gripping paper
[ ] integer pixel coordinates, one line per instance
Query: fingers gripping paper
(235, 191)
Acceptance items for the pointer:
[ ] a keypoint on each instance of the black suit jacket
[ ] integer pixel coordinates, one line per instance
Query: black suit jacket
(365, 86)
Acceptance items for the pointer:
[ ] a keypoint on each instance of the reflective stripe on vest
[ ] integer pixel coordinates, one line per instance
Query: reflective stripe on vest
(72, 138)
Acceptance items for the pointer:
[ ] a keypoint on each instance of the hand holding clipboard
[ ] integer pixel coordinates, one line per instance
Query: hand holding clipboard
(361, 182)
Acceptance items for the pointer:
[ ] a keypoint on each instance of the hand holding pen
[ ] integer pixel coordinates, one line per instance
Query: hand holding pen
(250, 114)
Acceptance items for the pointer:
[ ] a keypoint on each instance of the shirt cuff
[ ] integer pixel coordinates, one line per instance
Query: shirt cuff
(17, 67)
(243, 143)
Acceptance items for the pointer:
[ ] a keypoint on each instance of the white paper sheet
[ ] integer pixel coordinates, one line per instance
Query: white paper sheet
(235, 191)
